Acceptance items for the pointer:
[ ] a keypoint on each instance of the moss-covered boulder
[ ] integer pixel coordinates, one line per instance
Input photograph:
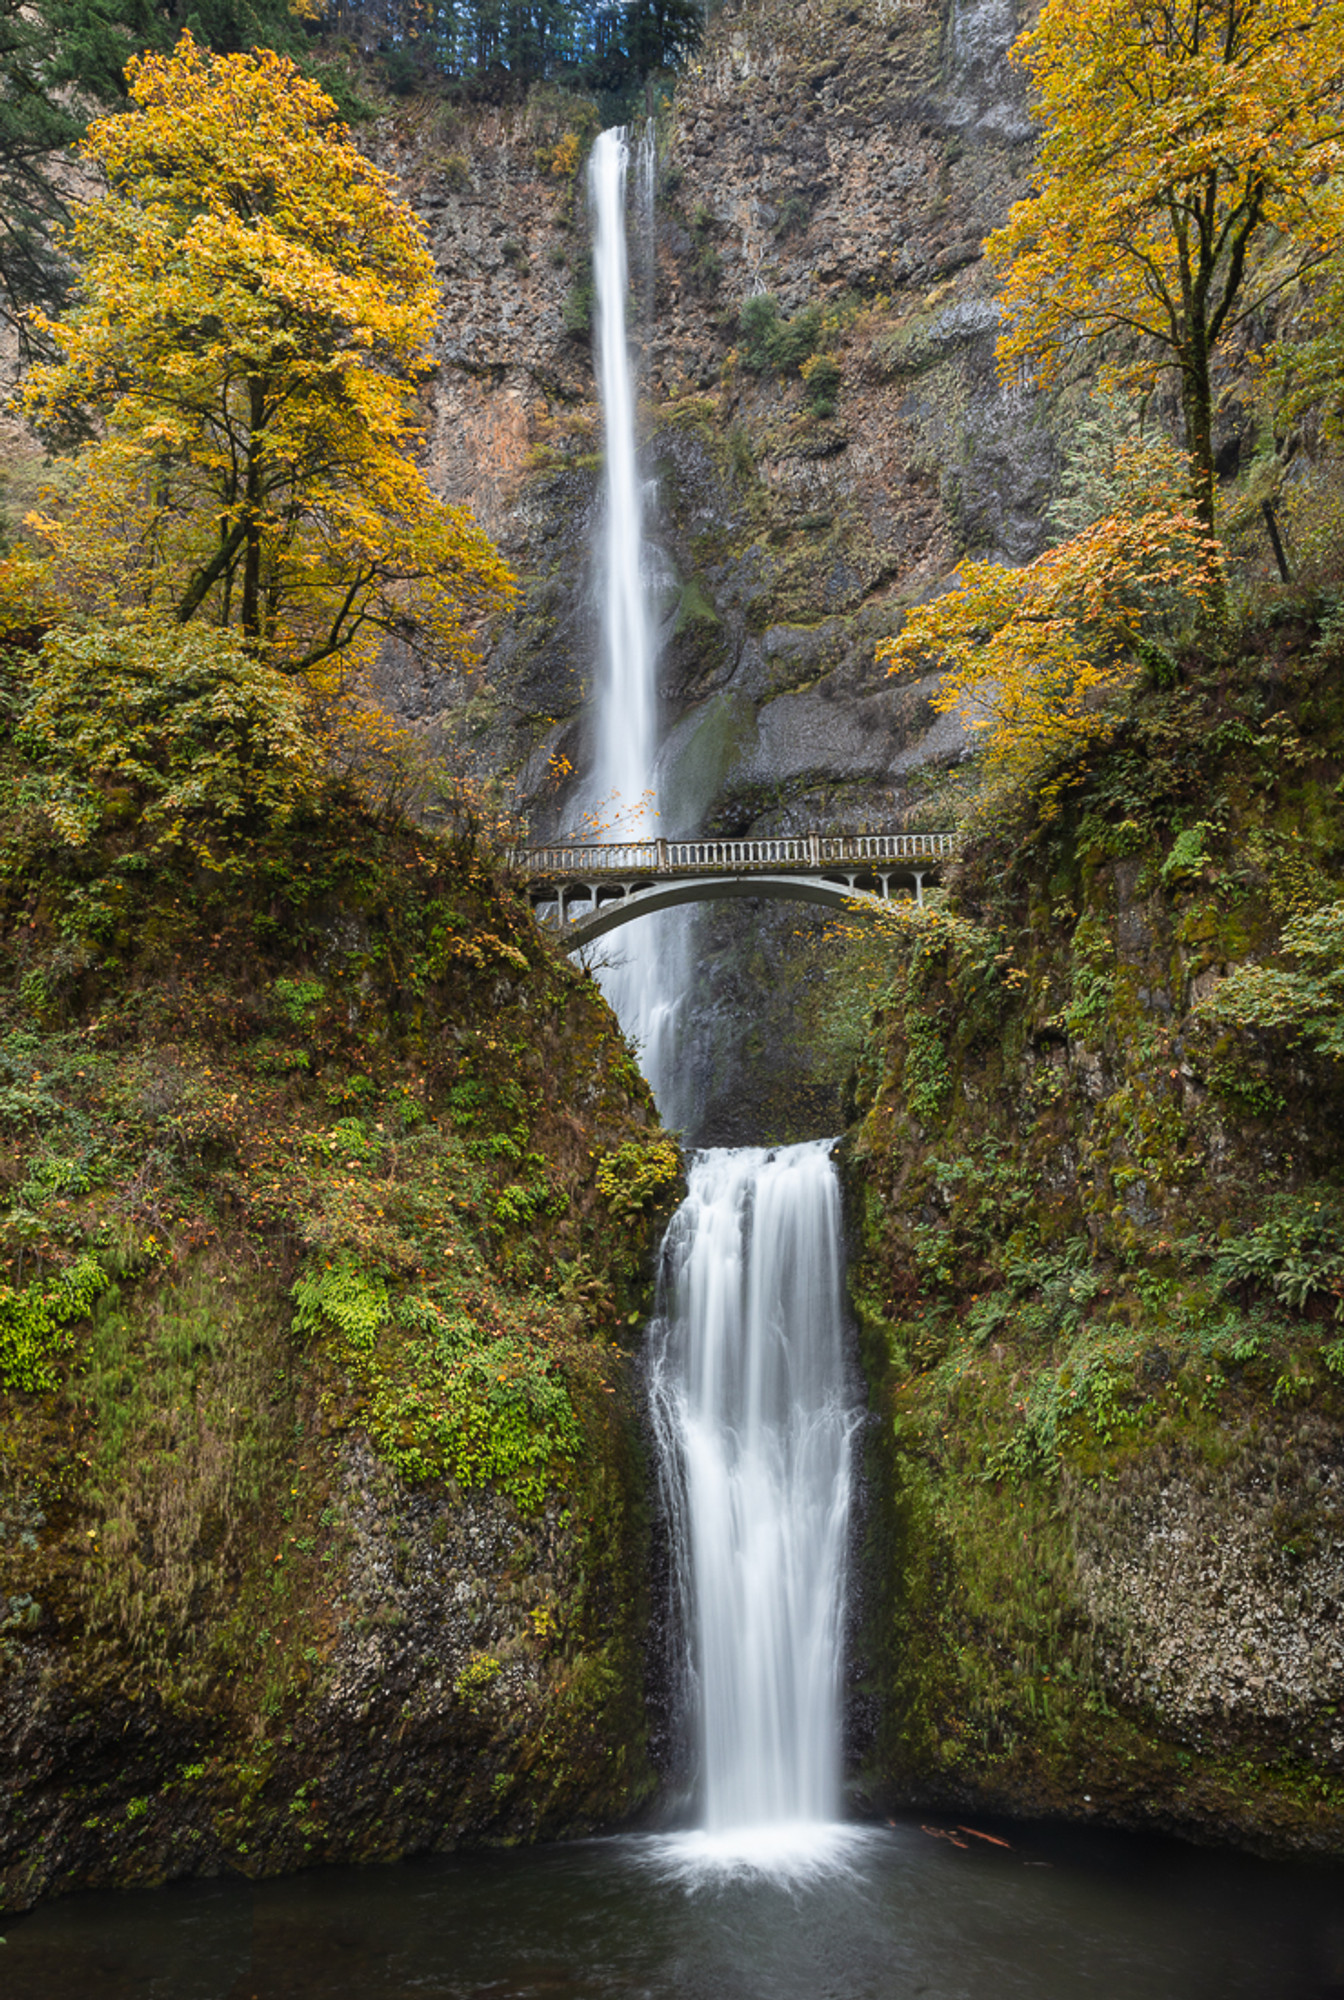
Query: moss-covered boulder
(327, 1196)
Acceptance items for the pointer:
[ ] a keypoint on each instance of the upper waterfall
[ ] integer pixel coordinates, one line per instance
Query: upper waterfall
(627, 722)
(645, 981)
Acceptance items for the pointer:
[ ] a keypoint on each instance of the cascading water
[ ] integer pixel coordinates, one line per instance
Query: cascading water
(754, 1422)
(627, 719)
(644, 975)
(749, 1383)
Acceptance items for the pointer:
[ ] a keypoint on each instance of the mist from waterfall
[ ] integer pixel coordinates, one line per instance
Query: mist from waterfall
(754, 1419)
(644, 968)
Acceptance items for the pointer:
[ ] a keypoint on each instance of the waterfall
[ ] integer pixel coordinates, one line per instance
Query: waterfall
(748, 1379)
(627, 713)
(644, 972)
(754, 1423)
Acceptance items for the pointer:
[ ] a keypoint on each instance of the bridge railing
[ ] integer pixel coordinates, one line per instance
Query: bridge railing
(583, 859)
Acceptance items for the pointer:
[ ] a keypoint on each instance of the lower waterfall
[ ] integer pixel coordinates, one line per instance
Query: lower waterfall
(754, 1420)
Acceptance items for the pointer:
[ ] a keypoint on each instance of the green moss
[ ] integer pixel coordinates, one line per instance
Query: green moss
(299, 1188)
(1101, 1222)
(696, 616)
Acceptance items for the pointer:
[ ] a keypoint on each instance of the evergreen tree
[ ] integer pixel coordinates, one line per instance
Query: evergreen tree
(35, 128)
(62, 61)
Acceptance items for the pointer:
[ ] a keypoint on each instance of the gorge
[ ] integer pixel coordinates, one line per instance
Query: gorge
(375, 1485)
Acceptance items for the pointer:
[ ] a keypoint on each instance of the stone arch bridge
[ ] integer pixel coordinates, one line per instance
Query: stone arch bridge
(582, 890)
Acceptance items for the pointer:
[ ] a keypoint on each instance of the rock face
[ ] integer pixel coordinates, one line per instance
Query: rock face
(847, 160)
(328, 1208)
(1099, 1241)
(1221, 1595)
(441, 1709)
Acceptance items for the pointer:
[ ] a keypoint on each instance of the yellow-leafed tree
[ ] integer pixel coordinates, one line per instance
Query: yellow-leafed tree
(1029, 655)
(256, 312)
(1188, 172)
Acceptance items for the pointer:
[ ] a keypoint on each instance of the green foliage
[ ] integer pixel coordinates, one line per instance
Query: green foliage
(1296, 1253)
(204, 734)
(771, 344)
(1248, 1090)
(576, 314)
(477, 1678)
(638, 1174)
(37, 1322)
(451, 1395)
(339, 1292)
(1188, 854)
(927, 1078)
(1084, 1392)
(822, 376)
(1092, 978)
(471, 1403)
(298, 999)
(794, 211)
(1305, 1001)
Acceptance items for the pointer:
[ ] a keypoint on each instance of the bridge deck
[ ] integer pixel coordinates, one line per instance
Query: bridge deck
(585, 888)
(582, 861)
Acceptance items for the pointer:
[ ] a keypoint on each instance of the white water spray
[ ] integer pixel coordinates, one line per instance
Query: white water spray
(754, 1424)
(646, 972)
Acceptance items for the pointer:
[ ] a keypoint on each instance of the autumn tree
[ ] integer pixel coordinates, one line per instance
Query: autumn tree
(1029, 656)
(256, 312)
(1181, 141)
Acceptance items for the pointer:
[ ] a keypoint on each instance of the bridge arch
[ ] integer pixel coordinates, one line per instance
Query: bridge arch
(642, 900)
(618, 881)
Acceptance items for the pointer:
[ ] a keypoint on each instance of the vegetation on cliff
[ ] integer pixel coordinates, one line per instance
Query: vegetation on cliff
(1101, 1278)
(1187, 177)
(328, 1196)
(255, 315)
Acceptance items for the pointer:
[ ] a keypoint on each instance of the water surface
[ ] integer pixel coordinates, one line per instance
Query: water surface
(1053, 1916)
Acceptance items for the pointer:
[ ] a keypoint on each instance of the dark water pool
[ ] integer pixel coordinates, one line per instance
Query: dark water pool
(1053, 1916)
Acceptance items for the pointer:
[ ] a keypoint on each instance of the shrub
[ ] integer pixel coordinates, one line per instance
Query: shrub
(771, 344)
(822, 376)
(196, 725)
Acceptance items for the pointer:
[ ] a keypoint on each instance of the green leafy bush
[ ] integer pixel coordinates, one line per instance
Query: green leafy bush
(339, 1292)
(1297, 1253)
(195, 725)
(1307, 1000)
(822, 376)
(35, 1323)
(771, 344)
(635, 1175)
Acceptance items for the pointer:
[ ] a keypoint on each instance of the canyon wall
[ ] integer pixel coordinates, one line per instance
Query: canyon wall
(847, 161)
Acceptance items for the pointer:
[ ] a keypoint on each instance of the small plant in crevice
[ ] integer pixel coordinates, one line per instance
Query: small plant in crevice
(822, 376)
(771, 344)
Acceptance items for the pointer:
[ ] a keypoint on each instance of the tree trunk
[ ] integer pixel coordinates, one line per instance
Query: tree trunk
(252, 497)
(1197, 399)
